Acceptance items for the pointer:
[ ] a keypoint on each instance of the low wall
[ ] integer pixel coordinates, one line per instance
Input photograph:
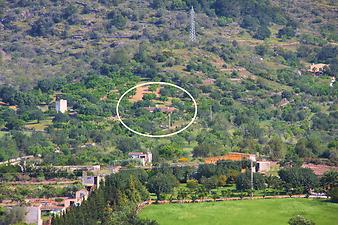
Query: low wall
(150, 202)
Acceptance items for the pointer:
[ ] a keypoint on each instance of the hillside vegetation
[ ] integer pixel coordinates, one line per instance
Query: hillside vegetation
(248, 71)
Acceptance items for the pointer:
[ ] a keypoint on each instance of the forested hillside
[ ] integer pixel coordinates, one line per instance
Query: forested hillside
(249, 72)
(115, 203)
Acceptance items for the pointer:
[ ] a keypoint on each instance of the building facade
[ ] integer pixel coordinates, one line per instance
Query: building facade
(263, 166)
(61, 105)
(33, 215)
(144, 157)
(92, 182)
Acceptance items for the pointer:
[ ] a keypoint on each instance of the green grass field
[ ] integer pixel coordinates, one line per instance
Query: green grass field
(245, 212)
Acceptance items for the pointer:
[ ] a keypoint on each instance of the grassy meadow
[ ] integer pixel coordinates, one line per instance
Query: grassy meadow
(245, 212)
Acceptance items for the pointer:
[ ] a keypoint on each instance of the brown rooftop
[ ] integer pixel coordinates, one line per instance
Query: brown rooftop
(317, 67)
(283, 102)
(209, 81)
(320, 169)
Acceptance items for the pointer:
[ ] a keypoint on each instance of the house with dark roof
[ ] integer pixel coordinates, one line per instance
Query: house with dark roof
(144, 157)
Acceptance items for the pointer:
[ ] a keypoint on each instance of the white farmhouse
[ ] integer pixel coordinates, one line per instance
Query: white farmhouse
(61, 105)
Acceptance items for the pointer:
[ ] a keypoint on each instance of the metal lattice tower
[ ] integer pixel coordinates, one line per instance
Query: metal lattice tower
(192, 25)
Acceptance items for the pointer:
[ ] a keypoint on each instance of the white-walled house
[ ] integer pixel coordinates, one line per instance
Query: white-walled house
(61, 105)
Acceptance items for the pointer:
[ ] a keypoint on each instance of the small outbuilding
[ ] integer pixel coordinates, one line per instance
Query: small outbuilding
(145, 158)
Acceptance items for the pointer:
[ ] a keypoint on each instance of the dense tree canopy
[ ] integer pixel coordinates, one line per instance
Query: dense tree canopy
(299, 178)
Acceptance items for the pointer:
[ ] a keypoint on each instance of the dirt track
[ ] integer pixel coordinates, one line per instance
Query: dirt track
(140, 91)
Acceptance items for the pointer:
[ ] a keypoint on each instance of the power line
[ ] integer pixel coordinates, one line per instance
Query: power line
(192, 25)
(251, 178)
(169, 121)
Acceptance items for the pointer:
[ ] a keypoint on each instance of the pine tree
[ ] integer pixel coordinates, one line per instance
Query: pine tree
(132, 191)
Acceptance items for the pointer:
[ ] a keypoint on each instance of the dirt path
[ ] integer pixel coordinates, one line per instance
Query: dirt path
(140, 91)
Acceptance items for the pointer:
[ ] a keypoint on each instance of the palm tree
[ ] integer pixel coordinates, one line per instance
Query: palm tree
(226, 193)
(329, 180)
(202, 192)
(214, 195)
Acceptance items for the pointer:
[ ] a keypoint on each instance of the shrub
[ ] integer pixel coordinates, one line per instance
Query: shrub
(261, 50)
(334, 194)
(192, 184)
(262, 33)
(300, 220)
(223, 21)
(183, 159)
(286, 32)
(117, 19)
(222, 180)
(149, 96)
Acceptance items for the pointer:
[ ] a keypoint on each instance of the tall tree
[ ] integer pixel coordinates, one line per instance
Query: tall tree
(243, 181)
(299, 178)
(329, 180)
(162, 183)
(275, 148)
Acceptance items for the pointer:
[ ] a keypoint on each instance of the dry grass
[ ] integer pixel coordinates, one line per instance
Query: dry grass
(140, 91)
(39, 126)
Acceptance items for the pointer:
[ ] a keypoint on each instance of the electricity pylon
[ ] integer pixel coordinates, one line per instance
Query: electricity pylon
(192, 25)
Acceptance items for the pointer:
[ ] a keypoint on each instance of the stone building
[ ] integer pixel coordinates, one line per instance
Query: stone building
(33, 215)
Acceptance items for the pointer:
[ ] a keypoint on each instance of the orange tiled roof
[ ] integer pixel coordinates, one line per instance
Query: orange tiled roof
(235, 156)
